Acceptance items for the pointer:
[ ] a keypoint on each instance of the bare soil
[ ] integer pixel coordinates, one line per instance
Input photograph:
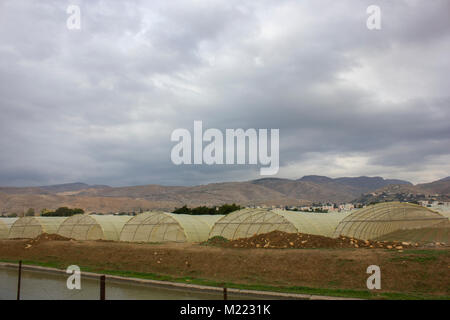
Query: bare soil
(47, 237)
(424, 271)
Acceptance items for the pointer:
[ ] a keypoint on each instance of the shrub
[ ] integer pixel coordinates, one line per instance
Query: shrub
(63, 212)
(203, 210)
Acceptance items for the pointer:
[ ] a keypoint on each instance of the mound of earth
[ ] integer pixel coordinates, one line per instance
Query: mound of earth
(44, 237)
(216, 241)
(279, 239)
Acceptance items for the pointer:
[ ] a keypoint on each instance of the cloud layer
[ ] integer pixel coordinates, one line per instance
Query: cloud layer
(99, 104)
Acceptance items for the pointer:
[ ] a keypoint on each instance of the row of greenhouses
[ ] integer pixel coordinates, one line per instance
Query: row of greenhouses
(371, 222)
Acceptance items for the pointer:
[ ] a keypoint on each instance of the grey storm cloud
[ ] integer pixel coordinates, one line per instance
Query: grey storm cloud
(99, 104)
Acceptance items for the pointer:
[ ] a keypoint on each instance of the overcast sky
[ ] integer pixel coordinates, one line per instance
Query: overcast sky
(99, 104)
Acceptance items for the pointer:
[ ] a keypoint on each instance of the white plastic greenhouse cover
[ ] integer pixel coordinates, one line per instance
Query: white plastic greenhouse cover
(5, 226)
(31, 227)
(248, 222)
(445, 213)
(161, 227)
(93, 227)
(439, 232)
(377, 220)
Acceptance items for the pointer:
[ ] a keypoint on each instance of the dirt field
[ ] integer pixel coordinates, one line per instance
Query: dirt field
(280, 240)
(413, 271)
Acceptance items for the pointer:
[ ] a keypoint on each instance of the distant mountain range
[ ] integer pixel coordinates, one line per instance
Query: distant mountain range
(325, 189)
(67, 187)
(266, 191)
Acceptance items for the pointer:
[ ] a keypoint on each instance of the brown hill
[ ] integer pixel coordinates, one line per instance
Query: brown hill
(396, 188)
(19, 203)
(438, 190)
(324, 191)
(244, 193)
(134, 199)
(267, 191)
(437, 187)
(440, 187)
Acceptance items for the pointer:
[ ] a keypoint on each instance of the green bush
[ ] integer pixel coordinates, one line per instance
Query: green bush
(203, 210)
(63, 212)
(216, 240)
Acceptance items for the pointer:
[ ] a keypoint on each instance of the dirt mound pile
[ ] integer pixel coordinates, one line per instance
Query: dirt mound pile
(44, 237)
(216, 241)
(279, 239)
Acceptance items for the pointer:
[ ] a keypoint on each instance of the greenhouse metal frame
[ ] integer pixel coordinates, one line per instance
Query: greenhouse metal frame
(163, 227)
(249, 222)
(93, 227)
(439, 232)
(5, 226)
(445, 213)
(380, 219)
(31, 227)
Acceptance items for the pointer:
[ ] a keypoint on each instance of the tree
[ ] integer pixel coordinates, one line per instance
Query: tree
(203, 210)
(183, 210)
(29, 213)
(228, 208)
(63, 212)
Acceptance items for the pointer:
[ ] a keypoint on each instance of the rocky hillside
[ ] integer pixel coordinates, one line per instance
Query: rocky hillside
(267, 191)
(437, 187)
(325, 189)
(437, 190)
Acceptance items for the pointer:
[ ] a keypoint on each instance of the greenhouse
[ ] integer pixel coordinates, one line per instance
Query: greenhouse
(5, 226)
(377, 220)
(162, 227)
(31, 227)
(445, 213)
(93, 227)
(437, 233)
(248, 222)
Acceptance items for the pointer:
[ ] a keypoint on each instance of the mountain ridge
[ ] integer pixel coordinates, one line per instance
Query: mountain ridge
(264, 191)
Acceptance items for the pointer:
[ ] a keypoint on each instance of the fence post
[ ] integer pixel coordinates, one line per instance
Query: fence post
(19, 279)
(102, 288)
(225, 294)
